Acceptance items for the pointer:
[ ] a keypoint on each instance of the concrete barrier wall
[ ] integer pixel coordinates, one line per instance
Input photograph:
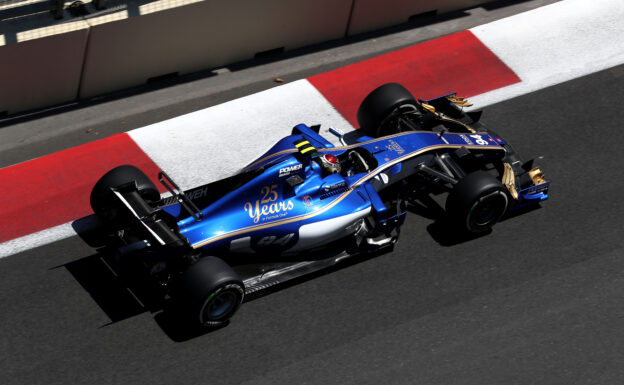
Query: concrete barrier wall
(369, 15)
(41, 72)
(117, 51)
(204, 35)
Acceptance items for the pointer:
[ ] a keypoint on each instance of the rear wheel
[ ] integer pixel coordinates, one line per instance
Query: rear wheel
(379, 105)
(477, 202)
(102, 198)
(210, 291)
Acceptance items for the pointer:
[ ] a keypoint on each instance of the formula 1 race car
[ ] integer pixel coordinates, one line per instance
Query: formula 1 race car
(306, 205)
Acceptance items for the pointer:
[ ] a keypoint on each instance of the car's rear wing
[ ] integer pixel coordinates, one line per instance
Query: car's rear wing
(144, 215)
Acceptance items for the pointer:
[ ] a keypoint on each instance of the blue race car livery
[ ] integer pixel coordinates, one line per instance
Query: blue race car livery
(306, 204)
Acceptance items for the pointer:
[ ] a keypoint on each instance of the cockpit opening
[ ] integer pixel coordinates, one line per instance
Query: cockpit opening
(357, 160)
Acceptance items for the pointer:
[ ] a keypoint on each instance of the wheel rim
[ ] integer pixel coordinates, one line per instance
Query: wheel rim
(220, 306)
(486, 211)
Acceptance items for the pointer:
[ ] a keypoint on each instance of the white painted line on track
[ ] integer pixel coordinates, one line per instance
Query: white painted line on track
(40, 238)
(554, 44)
(216, 142)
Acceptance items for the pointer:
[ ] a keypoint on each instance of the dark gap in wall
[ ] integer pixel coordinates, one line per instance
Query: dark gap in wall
(270, 52)
(420, 16)
(161, 78)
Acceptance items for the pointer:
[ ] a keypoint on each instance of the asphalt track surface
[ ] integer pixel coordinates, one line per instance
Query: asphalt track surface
(539, 300)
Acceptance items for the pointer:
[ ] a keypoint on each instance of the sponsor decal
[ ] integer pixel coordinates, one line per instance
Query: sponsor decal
(196, 194)
(465, 138)
(479, 140)
(268, 207)
(192, 195)
(286, 171)
(394, 146)
(307, 200)
(334, 186)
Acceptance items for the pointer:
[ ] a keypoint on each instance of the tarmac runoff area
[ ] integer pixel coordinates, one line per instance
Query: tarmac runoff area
(489, 63)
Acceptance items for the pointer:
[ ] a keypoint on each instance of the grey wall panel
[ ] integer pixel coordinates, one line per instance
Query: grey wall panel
(204, 35)
(41, 72)
(369, 15)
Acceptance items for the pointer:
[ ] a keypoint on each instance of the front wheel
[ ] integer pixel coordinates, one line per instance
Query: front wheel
(210, 291)
(477, 202)
(379, 105)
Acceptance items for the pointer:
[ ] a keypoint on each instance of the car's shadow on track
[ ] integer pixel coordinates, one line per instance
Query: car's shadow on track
(123, 295)
(105, 287)
(446, 233)
(179, 329)
(118, 297)
(442, 230)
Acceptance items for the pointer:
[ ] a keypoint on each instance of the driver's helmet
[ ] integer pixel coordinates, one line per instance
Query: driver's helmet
(330, 163)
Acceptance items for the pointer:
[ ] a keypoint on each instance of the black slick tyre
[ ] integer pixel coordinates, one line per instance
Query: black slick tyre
(210, 292)
(379, 105)
(477, 202)
(102, 199)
